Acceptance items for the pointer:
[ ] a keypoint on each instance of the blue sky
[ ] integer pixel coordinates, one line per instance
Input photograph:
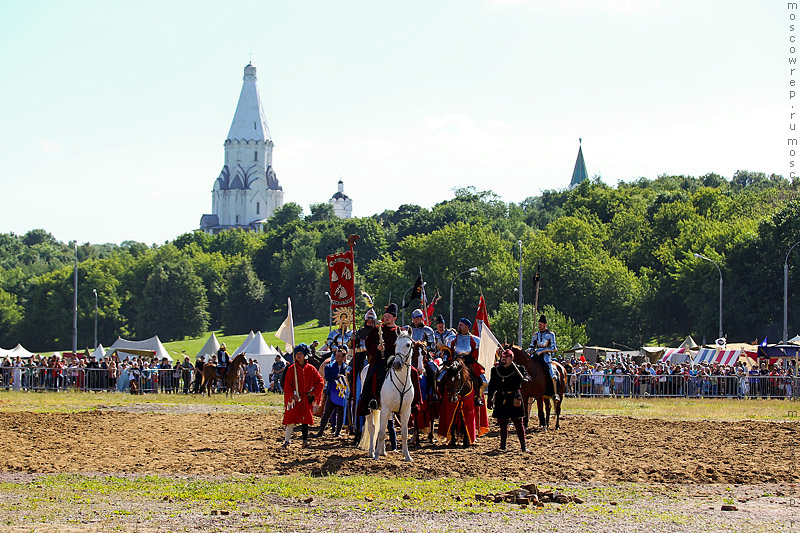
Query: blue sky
(114, 113)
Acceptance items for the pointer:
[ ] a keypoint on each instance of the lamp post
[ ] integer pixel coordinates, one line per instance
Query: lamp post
(75, 305)
(473, 269)
(330, 311)
(519, 325)
(95, 318)
(786, 294)
(701, 256)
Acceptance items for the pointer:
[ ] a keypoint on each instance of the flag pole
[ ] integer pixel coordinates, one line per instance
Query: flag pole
(536, 280)
(424, 299)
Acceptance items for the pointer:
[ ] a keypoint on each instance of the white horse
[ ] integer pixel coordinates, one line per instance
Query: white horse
(397, 393)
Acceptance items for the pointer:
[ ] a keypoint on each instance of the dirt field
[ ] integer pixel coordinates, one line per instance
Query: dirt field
(634, 474)
(587, 449)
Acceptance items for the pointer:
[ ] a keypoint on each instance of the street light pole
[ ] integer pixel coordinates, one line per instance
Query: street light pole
(95, 318)
(786, 294)
(330, 312)
(519, 325)
(701, 256)
(75, 306)
(473, 269)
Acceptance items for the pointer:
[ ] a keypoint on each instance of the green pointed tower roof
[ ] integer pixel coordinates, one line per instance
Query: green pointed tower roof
(579, 174)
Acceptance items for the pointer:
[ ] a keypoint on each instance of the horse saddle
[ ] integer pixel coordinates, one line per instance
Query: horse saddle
(222, 370)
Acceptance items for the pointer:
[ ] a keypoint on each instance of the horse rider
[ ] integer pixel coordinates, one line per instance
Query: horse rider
(465, 345)
(300, 394)
(223, 362)
(380, 347)
(357, 365)
(421, 332)
(543, 344)
(336, 338)
(505, 396)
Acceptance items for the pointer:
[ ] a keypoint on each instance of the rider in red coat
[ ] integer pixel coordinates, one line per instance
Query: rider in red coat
(299, 396)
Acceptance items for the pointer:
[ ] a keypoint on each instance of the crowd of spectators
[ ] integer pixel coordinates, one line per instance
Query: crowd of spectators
(114, 374)
(620, 375)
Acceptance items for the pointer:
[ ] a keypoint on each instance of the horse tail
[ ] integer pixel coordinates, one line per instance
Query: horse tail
(364, 443)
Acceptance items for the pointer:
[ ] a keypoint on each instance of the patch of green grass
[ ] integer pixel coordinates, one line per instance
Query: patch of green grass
(679, 408)
(73, 401)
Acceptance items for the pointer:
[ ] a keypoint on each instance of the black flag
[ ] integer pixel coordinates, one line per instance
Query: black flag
(416, 292)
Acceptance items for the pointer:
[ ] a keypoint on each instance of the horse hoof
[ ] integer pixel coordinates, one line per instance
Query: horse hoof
(408, 459)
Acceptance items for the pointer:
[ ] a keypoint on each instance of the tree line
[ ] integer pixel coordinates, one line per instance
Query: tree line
(617, 266)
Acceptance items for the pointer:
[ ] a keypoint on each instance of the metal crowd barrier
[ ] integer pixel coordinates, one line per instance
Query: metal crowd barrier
(679, 386)
(148, 380)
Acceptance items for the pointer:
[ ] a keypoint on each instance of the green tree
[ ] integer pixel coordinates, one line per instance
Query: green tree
(244, 308)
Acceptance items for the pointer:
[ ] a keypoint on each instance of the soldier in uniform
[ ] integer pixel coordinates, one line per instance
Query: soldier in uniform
(337, 338)
(465, 345)
(543, 345)
(356, 366)
(379, 350)
(421, 332)
(442, 337)
(223, 360)
(505, 397)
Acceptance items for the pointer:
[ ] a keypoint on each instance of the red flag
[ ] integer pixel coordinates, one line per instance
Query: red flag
(481, 318)
(342, 279)
(431, 306)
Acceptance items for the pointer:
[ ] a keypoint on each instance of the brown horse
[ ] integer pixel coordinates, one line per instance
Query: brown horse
(230, 379)
(457, 385)
(535, 387)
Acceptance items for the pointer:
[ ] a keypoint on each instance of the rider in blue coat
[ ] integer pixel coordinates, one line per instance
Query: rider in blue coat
(543, 344)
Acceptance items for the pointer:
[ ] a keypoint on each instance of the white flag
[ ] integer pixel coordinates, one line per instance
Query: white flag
(286, 331)
(487, 348)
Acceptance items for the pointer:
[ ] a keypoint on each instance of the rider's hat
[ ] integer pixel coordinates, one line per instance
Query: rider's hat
(416, 313)
(466, 321)
(370, 315)
(439, 319)
(391, 309)
(543, 319)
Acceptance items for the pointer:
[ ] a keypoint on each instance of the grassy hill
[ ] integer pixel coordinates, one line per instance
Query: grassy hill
(307, 332)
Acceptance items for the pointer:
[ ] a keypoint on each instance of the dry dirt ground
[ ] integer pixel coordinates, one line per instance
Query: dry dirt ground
(686, 468)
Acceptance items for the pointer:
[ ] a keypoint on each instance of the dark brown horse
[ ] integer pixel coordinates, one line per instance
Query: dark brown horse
(536, 386)
(457, 384)
(230, 379)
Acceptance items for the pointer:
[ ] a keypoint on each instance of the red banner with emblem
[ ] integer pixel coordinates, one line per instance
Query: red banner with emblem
(342, 279)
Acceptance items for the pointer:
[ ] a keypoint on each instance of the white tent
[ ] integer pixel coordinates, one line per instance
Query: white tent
(136, 348)
(688, 343)
(19, 351)
(261, 352)
(100, 352)
(243, 345)
(209, 348)
(795, 339)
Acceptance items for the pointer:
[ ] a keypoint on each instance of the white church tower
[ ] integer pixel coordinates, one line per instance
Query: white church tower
(247, 192)
(342, 204)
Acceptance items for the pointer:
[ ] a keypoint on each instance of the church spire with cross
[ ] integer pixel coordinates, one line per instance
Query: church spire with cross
(579, 174)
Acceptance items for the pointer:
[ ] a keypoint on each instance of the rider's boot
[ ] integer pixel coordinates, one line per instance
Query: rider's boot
(477, 383)
(556, 397)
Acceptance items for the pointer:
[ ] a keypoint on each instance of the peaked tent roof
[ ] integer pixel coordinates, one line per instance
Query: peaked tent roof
(99, 352)
(152, 344)
(674, 356)
(249, 122)
(19, 351)
(244, 344)
(579, 174)
(688, 343)
(258, 346)
(210, 347)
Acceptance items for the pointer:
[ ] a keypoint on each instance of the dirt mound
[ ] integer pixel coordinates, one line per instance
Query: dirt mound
(604, 449)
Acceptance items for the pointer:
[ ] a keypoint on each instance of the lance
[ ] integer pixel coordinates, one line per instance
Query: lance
(536, 279)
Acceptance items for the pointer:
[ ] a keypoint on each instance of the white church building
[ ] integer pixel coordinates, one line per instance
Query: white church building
(247, 192)
(342, 204)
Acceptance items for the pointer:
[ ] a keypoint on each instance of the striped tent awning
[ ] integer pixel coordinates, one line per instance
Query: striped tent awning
(722, 357)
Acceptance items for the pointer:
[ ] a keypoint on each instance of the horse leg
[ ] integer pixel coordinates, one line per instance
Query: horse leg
(547, 409)
(540, 407)
(369, 420)
(527, 401)
(380, 445)
(405, 415)
(558, 413)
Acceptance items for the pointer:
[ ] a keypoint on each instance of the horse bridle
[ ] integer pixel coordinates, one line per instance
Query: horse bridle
(407, 386)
